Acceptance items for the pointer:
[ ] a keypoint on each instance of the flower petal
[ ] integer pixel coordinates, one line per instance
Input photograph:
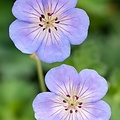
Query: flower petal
(58, 6)
(54, 48)
(26, 37)
(92, 86)
(28, 10)
(74, 23)
(47, 106)
(66, 115)
(62, 80)
(95, 111)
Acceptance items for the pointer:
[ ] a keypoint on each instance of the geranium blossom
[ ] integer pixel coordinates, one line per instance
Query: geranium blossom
(73, 96)
(48, 27)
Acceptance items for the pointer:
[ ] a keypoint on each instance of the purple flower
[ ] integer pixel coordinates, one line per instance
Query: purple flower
(48, 27)
(73, 96)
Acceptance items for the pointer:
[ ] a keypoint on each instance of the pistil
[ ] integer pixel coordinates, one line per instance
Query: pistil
(48, 21)
(72, 103)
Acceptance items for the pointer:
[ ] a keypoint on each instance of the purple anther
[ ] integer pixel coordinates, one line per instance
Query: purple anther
(68, 96)
(49, 30)
(71, 111)
(57, 22)
(64, 101)
(42, 16)
(40, 25)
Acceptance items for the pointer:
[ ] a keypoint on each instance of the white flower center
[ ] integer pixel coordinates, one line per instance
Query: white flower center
(48, 22)
(72, 103)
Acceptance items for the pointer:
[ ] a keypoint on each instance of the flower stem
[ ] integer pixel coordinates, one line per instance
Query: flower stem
(40, 76)
(40, 73)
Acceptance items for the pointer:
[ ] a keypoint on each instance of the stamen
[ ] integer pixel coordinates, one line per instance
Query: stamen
(64, 101)
(40, 25)
(57, 22)
(68, 96)
(76, 97)
(42, 16)
(66, 109)
(80, 103)
(76, 111)
(71, 111)
(44, 29)
(56, 19)
(79, 106)
(49, 30)
(55, 28)
(72, 104)
(50, 14)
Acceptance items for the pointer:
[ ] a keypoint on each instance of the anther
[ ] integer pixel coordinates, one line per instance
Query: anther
(44, 29)
(50, 14)
(64, 101)
(76, 97)
(55, 28)
(79, 106)
(49, 30)
(57, 22)
(40, 25)
(42, 16)
(68, 96)
(80, 103)
(71, 111)
(76, 111)
(66, 109)
(56, 19)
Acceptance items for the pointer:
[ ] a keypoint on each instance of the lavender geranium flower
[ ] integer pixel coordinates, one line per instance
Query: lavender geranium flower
(48, 27)
(73, 96)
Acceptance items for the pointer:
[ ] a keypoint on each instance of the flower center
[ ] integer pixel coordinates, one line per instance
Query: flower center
(72, 103)
(48, 22)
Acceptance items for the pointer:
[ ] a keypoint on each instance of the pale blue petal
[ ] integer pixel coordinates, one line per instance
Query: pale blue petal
(26, 37)
(99, 110)
(58, 6)
(92, 86)
(28, 10)
(54, 48)
(31, 10)
(48, 106)
(74, 23)
(62, 80)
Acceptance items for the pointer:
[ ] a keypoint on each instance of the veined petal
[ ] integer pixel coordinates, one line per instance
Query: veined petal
(92, 86)
(28, 10)
(99, 110)
(48, 106)
(74, 23)
(26, 37)
(66, 115)
(54, 48)
(62, 80)
(58, 6)
(62, 102)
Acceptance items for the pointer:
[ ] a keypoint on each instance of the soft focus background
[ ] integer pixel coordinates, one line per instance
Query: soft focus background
(100, 51)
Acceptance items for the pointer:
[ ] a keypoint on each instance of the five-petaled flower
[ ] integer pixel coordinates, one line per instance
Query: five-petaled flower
(73, 96)
(48, 27)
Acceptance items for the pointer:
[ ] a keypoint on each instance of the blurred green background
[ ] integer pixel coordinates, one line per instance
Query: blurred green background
(100, 51)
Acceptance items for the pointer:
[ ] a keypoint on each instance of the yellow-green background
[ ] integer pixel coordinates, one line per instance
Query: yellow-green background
(100, 51)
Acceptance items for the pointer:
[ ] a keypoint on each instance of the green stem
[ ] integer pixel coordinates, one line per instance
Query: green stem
(40, 75)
